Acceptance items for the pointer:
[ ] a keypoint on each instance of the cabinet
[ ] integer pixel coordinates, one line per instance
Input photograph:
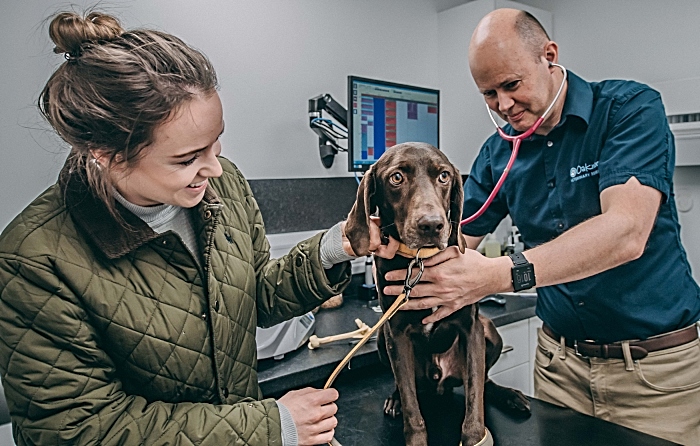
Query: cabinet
(515, 366)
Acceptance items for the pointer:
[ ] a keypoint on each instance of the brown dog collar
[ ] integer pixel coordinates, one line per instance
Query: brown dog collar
(411, 253)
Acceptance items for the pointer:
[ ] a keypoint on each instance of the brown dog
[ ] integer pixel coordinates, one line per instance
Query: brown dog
(418, 196)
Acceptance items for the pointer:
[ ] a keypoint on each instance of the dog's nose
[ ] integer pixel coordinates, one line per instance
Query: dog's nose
(431, 224)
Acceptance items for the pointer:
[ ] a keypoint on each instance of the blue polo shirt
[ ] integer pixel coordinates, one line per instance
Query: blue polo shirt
(609, 132)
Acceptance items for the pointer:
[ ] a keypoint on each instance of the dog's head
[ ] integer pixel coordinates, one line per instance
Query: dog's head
(418, 196)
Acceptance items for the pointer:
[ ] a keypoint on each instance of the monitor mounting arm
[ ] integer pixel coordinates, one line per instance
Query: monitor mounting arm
(327, 144)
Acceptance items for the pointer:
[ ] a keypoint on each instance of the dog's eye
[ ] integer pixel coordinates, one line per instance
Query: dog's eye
(444, 176)
(396, 178)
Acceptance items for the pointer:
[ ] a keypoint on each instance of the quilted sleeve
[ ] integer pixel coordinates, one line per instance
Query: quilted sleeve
(295, 283)
(63, 389)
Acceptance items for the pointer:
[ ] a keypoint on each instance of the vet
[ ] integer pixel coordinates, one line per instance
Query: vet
(615, 290)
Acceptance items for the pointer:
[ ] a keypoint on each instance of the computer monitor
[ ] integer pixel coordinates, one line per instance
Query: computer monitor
(382, 114)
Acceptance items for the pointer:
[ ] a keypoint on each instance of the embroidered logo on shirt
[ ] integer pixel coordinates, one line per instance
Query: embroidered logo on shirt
(583, 171)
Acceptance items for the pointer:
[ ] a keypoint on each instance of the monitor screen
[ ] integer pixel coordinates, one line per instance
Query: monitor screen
(382, 114)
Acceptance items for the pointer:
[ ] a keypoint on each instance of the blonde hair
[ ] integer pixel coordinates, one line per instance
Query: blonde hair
(115, 88)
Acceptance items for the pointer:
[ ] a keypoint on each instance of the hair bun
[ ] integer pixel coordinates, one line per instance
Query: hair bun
(69, 30)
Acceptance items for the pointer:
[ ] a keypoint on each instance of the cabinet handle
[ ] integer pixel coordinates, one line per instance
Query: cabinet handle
(506, 349)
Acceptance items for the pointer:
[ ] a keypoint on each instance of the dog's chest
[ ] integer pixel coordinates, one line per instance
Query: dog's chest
(428, 328)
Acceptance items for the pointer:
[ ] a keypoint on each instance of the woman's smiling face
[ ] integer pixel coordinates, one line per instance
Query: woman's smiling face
(175, 168)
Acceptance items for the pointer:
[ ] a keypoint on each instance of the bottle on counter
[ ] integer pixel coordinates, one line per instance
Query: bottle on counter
(368, 290)
(369, 276)
(492, 247)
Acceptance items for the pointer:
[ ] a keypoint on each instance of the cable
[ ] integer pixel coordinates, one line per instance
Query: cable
(328, 132)
(330, 126)
(329, 121)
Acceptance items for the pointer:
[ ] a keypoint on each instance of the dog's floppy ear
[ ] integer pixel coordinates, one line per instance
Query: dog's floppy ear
(456, 203)
(357, 226)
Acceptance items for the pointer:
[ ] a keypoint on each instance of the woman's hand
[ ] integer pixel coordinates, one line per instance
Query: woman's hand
(387, 250)
(313, 412)
(452, 280)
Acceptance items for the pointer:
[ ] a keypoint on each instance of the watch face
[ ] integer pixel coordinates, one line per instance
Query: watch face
(523, 277)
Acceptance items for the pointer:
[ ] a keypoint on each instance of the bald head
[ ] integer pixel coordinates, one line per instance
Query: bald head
(511, 61)
(502, 28)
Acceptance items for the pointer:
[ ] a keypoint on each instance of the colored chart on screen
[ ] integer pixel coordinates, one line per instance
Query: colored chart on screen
(385, 115)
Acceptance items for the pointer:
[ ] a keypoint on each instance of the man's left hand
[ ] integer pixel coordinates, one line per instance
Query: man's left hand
(452, 280)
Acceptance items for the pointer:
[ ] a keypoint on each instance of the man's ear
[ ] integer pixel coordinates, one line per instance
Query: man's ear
(551, 52)
(456, 203)
(357, 226)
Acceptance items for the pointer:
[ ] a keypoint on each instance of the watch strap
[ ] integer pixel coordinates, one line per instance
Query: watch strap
(518, 258)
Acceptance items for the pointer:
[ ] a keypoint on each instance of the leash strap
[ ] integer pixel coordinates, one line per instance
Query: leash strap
(398, 303)
(400, 300)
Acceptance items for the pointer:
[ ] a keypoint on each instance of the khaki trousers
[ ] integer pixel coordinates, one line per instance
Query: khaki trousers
(658, 395)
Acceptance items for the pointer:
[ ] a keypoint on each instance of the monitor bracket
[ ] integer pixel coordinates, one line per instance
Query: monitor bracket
(327, 140)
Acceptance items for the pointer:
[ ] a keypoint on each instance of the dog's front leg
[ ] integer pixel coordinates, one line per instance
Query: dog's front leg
(402, 359)
(473, 428)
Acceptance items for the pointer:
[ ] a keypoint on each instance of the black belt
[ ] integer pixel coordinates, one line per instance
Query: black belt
(638, 349)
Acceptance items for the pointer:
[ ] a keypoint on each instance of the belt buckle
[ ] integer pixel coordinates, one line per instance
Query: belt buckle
(579, 354)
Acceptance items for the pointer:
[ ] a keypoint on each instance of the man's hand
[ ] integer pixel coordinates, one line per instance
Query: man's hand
(452, 280)
(313, 412)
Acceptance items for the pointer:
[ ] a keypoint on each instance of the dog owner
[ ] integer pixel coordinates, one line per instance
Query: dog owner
(592, 194)
(130, 290)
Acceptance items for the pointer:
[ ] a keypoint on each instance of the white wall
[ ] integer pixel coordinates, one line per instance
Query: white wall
(461, 106)
(271, 56)
(645, 40)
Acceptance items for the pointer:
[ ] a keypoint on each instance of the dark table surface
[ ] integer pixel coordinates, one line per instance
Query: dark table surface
(365, 384)
(305, 367)
(361, 421)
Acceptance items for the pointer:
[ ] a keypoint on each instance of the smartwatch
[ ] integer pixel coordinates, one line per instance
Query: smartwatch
(522, 272)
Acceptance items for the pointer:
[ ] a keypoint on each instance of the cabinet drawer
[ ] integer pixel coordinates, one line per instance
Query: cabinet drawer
(518, 378)
(515, 346)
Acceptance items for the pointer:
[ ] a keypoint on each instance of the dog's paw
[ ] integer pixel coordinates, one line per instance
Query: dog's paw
(517, 402)
(392, 405)
(510, 400)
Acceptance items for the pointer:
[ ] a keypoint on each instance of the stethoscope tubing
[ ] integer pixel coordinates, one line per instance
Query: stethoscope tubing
(516, 140)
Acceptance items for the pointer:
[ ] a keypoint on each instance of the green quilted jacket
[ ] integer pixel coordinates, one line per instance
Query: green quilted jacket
(118, 337)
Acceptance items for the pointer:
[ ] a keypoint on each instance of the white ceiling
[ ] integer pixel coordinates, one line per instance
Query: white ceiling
(441, 5)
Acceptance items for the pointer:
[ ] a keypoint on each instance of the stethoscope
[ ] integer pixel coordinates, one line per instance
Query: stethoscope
(516, 140)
